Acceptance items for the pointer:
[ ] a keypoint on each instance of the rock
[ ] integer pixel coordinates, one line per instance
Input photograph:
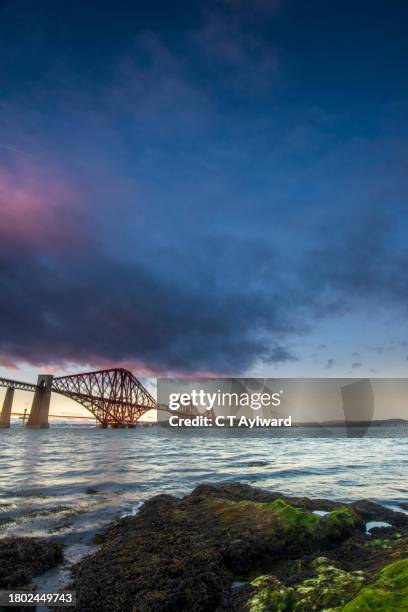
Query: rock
(270, 594)
(329, 587)
(258, 532)
(164, 558)
(383, 532)
(388, 593)
(369, 511)
(239, 491)
(23, 558)
(180, 555)
(340, 524)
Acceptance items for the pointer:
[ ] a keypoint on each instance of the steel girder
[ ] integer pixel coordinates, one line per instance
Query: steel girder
(115, 397)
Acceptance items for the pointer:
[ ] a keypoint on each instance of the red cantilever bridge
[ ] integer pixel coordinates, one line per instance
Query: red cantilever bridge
(115, 397)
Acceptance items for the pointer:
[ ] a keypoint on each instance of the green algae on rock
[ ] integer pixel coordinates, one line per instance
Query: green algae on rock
(277, 525)
(341, 523)
(389, 593)
(256, 533)
(277, 517)
(270, 594)
(329, 588)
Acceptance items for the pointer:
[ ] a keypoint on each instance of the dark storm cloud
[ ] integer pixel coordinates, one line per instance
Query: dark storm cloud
(104, 257)
(184, 300)
(206, 304)
(169, 199)
(97, 310)
(359, 254)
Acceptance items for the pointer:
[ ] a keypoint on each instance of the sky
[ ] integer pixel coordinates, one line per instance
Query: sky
(203, 188)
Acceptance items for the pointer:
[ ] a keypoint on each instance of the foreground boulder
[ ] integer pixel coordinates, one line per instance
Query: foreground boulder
(23, 558)
(235, 548)
(255, 533)
(165, 558)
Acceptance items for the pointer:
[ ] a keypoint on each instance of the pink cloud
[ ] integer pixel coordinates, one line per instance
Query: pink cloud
(7, 363)
(137, 367)
(36, 207)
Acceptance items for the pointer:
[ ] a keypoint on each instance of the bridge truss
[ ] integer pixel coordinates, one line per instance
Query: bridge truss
(115, 397)
(17, 384)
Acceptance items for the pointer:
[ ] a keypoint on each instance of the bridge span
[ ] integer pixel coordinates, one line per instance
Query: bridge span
(115, 397)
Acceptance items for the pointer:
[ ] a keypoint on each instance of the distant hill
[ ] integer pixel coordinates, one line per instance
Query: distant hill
(374, 422)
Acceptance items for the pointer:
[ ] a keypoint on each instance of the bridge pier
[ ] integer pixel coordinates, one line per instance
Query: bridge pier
(7, 406)
(40, 407)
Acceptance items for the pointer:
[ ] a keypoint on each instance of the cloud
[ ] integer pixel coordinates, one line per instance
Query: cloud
(104, 258)
(251, 7)
(244, 60)
(8, 364)
(362, 262)
(96, 309)
(70, 295)
(98, 267)
(37, 209)
(158, 216)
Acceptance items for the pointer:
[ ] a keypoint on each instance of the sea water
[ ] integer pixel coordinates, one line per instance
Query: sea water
(69, 482)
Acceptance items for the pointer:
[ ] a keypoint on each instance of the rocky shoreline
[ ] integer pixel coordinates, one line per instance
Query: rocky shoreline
(234, 548)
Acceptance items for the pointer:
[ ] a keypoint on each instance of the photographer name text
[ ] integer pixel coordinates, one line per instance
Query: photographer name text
(228, 421)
